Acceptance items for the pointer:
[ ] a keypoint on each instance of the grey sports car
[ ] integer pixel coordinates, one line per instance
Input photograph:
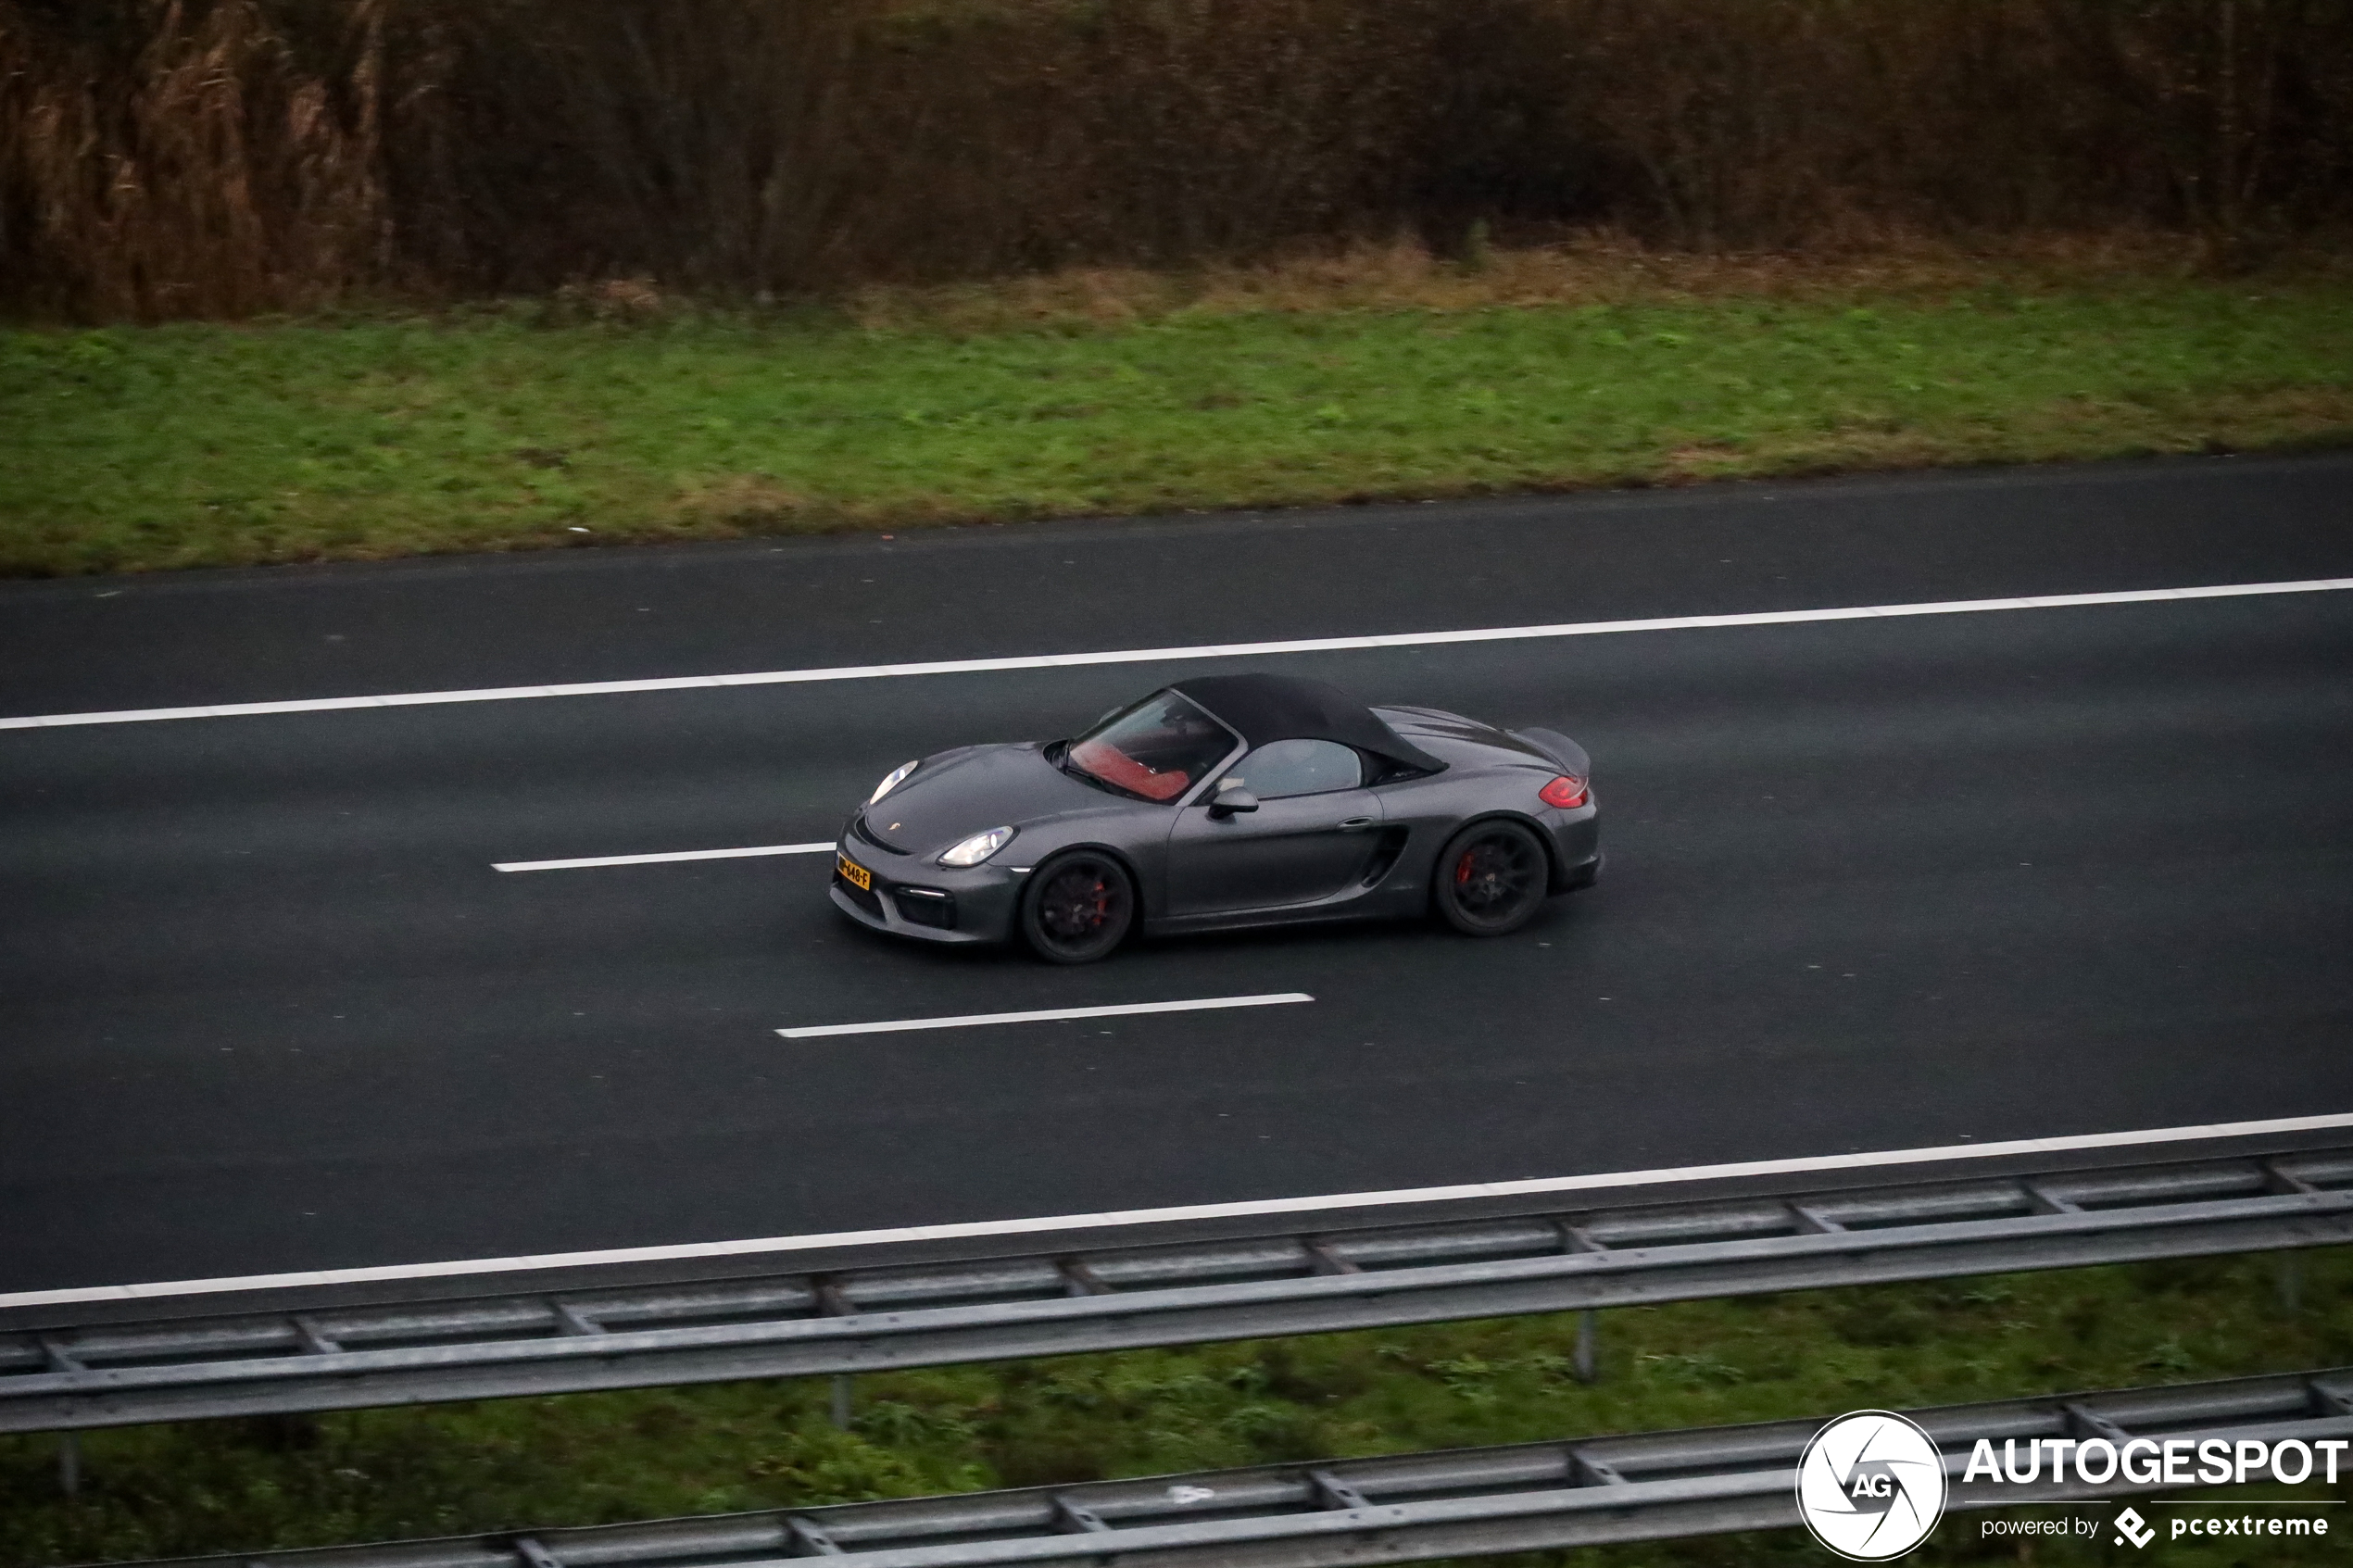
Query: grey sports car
(1230, 800)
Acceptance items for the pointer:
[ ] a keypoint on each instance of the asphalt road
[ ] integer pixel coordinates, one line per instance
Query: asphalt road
(264, 1004)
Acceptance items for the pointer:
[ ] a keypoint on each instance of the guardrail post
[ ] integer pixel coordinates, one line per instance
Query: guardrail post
(1584, 1361)
(70, 1463)
(841, 1402)
(2288, 1275)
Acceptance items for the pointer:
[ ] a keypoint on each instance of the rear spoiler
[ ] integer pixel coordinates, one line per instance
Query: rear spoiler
(1559, 748)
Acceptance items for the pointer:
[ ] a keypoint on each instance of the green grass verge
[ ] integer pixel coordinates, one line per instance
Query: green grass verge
(503, 427)
(263, 1485)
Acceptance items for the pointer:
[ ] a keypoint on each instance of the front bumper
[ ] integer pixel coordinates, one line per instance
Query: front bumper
(913, 896)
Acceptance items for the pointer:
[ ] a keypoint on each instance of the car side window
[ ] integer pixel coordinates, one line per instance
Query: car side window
(1297, 767)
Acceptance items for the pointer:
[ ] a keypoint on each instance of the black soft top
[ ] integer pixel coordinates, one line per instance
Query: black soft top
(1273, 708)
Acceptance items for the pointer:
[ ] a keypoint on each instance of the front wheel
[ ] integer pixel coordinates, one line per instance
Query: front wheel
(1076, 909)
(1490, 878)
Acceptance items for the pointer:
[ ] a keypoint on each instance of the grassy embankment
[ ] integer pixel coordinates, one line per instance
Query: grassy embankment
(624, 416)
(371, 1474)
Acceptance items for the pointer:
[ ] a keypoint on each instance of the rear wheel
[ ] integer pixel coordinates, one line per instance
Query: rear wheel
(1490, 878)
(1076, 909)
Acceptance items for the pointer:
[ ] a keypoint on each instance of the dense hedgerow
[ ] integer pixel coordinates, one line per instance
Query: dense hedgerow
(194, 157)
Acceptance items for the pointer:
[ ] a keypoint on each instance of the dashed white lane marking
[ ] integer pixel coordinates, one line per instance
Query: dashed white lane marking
(585, 862)
(1144, 656)
(1045, 1015)
(984, 1229)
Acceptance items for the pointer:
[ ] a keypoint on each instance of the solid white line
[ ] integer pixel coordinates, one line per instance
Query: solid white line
(1144, 656)
(969, 1019)
(743, 854)
(690, 1251)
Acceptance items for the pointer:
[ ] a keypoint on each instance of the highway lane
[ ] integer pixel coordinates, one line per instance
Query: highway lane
(603, 614)
(1872, 885)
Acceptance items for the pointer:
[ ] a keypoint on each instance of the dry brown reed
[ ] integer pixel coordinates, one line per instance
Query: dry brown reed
(162, 158)
(211, 176)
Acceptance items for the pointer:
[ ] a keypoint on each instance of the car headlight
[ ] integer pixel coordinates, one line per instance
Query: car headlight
(978, 847)
(891, 781)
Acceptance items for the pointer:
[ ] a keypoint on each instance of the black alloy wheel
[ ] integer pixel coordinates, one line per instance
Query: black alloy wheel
(1076, 909)
(1490, 878)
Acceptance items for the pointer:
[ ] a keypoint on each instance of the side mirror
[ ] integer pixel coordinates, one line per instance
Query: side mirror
(1225, 802)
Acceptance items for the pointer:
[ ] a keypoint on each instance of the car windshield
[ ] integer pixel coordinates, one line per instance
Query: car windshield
(1154, 750)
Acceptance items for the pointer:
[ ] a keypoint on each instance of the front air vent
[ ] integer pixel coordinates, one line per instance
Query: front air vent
(926, 906)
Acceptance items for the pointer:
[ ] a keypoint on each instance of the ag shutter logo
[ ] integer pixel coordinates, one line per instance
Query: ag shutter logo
(1871, 1487)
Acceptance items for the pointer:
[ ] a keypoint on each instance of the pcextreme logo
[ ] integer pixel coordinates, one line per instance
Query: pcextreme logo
(2131, 1526)
(1870, 1486)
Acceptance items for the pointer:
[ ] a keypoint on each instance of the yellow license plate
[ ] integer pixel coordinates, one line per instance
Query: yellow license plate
(855, 874)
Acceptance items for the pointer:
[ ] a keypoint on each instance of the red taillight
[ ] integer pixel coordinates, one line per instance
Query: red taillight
(1565, 792)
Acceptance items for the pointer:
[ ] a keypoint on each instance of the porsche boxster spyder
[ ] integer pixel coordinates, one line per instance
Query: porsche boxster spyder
(1223, 801)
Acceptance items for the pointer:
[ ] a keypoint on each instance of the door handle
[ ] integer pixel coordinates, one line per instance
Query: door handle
(1354, 823)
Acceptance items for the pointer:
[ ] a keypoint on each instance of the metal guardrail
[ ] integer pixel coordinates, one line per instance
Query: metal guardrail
(1404, 1508)
(882, 1318)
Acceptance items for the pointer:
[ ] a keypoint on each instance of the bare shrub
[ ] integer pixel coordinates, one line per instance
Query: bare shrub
(696, 142)
(1784, 120)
